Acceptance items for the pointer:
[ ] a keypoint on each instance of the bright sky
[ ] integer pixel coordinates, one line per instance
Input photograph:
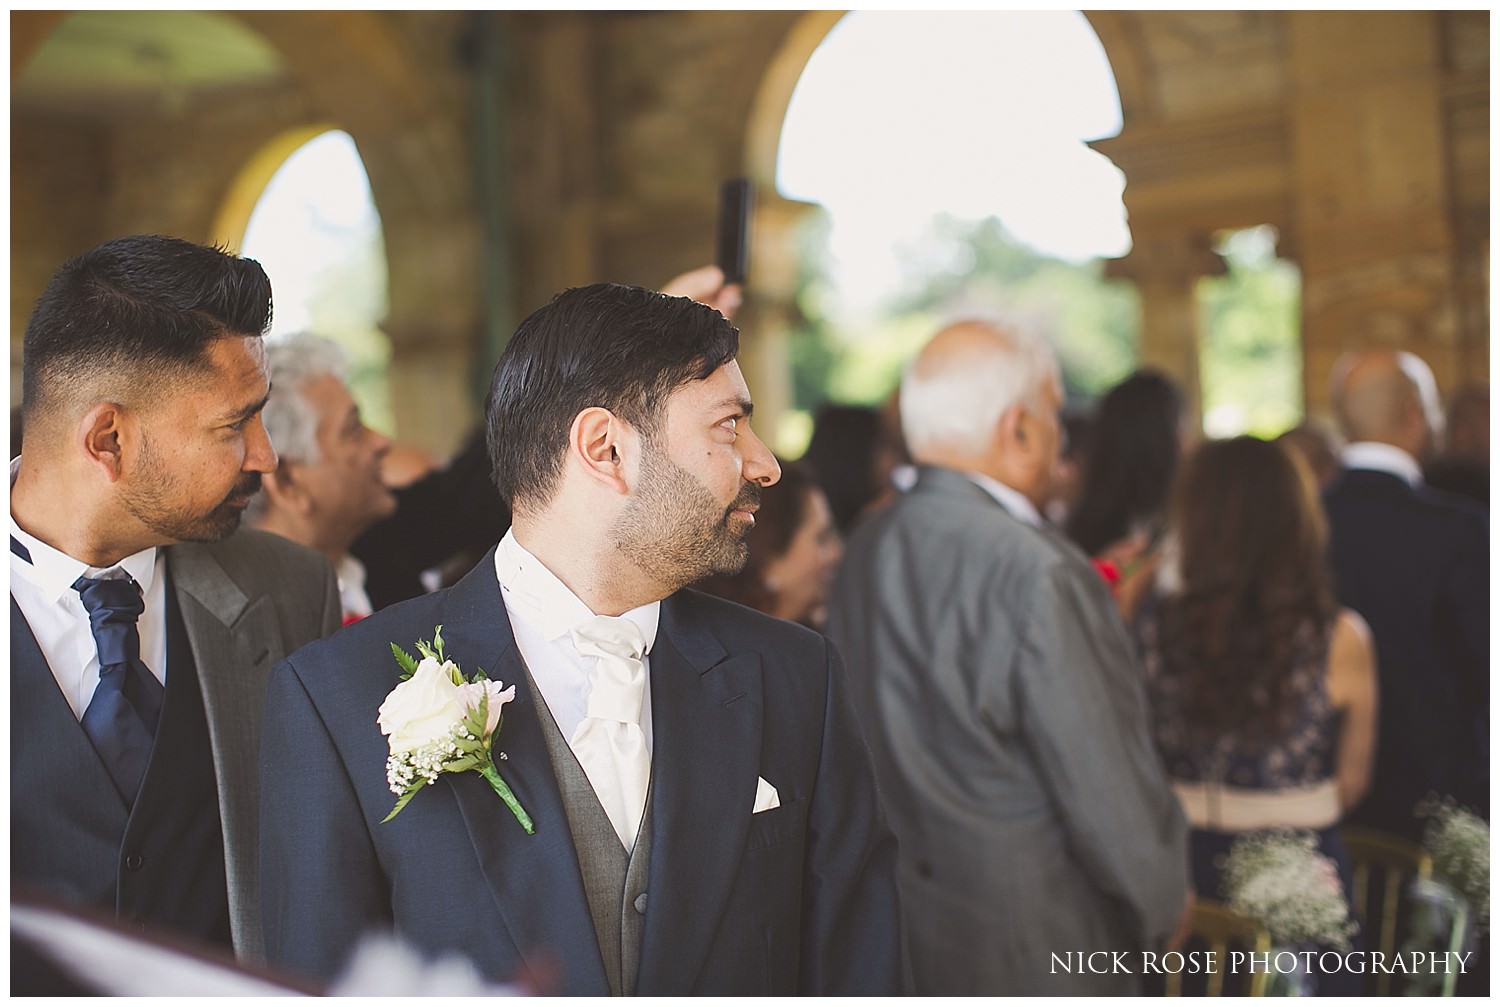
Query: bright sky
(899, 116)
(315, 204)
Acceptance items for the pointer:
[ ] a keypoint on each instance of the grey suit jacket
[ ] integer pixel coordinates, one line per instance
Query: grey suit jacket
(1002, 704)
(246, 602)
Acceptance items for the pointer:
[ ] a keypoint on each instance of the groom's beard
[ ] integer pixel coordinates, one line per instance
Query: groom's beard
(676, 532)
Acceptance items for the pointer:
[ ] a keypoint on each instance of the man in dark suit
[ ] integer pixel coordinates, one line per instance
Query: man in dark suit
(142, 627)
(1414, 562)
(706, 820)
(1004, 709)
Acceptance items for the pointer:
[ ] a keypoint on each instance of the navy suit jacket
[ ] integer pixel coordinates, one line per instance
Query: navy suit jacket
(798, 899)
(1415, 564)
(245, 603)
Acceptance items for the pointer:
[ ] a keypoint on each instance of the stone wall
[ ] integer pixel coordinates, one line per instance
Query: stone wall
(512, 154)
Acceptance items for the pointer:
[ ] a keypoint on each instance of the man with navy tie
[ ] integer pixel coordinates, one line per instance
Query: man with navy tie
(142, 625)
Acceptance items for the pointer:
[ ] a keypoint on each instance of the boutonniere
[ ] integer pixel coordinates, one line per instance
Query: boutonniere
(441, 722)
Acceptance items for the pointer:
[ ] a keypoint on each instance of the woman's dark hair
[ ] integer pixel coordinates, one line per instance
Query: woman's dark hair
(784, 506)
(144, 307)
(846, 442)
(1256, 599)
(1129, 458)
(625, 349)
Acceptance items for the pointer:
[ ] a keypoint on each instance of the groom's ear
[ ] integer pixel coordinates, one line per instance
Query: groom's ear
(603, 447)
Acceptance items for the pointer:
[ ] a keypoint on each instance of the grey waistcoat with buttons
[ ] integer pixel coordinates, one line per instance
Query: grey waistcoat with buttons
(613, 880)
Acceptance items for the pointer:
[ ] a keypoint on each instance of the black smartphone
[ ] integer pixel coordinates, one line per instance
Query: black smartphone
(734, 229)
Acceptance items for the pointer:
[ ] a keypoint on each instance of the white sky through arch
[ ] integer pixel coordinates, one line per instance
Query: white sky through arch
(902, 115)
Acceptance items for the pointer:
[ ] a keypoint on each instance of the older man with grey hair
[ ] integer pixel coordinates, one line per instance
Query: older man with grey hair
(1001, 701)
(327, 486)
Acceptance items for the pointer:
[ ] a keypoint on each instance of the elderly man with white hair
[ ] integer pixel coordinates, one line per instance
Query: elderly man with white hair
(1001, 701)
(327, 488)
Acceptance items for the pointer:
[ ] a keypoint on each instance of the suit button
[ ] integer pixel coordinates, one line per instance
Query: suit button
(640, 903)
(924, 869)
(134, 862)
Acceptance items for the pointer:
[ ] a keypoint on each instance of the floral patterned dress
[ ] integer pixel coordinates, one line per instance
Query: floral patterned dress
(1302, 757)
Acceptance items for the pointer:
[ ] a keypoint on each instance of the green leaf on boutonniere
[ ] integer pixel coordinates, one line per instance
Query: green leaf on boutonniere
(463, 765)
(406, 661)
(410, 793)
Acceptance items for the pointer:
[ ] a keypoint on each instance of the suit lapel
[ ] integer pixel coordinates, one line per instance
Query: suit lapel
(706, 711)
(235, 639)
(535, 880)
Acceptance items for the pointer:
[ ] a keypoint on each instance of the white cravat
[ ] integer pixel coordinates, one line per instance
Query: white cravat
(609, 743)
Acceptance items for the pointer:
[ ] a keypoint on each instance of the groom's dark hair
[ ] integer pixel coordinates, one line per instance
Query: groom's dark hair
(625, 349)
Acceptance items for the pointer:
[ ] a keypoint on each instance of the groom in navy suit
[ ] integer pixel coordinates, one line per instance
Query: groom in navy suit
(706, 820)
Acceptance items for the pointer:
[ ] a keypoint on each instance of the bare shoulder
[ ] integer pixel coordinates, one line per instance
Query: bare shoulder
(1350, 633)
(1351, 659)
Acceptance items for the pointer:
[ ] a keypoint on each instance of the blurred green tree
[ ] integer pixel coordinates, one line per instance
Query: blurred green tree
(1250, 363)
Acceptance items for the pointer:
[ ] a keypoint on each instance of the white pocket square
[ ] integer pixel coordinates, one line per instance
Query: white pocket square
(765, 796)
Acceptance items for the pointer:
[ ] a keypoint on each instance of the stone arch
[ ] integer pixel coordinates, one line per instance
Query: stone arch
(359, 70)
(245, 189)
(774, 95)
(777, 220)
(780, 77)
(418, 160)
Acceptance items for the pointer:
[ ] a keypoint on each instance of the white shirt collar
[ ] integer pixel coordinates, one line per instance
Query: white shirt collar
(1012, 500)
(54, 572)
(1382, 458)
(534, 593)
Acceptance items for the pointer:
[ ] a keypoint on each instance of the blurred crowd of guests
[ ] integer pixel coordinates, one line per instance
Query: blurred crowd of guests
(1087, 647)
(1298, 638)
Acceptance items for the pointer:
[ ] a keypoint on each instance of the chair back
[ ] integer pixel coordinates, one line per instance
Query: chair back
(1384, 865)
(1218, 928)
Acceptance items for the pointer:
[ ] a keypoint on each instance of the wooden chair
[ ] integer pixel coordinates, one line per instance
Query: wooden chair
(1219, 927)
(1394, 863)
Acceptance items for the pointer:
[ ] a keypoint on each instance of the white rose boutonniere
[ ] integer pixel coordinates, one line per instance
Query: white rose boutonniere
(440, 722)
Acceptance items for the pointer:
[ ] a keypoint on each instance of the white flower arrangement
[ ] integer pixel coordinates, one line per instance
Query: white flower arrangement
(439, 722)
(1459, 842)
(1281, 880)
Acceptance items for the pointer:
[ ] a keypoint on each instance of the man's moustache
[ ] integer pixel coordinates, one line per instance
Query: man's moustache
(749, 498)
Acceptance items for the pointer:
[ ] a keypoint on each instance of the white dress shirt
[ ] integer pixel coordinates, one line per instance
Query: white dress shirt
(1013, 501)
(1382, 458)
(353, 598)
(542, 610)
(43, 588)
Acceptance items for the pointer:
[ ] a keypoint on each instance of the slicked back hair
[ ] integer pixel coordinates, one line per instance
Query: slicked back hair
(625, 349)
(135, 310)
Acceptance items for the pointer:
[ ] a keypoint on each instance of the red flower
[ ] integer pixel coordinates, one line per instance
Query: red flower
(1109, 570)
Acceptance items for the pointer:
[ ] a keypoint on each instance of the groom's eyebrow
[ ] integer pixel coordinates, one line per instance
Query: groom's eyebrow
(744, 406)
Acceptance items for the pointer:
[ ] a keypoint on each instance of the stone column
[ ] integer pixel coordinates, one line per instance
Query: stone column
(1370, 184)
(1165, 270)
(766, 320)
(431, 391)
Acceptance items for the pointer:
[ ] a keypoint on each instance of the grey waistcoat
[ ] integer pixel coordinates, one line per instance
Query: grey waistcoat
(614, 881)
